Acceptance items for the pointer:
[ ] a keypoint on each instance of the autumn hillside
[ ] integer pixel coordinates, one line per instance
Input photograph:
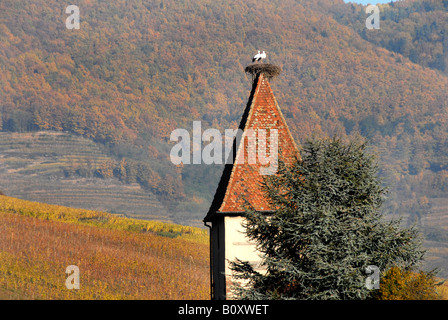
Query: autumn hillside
(138, 69)
(61, 168)
(118, 258)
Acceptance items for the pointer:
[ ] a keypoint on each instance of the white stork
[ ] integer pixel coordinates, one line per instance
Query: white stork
(259, 56)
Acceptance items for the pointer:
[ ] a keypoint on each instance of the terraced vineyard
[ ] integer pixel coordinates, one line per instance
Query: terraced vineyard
(34, 166)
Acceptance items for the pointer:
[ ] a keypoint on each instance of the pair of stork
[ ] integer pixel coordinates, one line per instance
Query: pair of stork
(259, 56)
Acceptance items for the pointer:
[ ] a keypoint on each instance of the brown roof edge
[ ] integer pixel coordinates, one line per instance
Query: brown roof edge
(227, 172)
(214, 215)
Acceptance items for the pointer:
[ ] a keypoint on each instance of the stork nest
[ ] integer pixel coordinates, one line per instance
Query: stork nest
(269, 70)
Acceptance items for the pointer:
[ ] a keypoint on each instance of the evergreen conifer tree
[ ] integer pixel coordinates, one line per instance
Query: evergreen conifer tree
(326, 230)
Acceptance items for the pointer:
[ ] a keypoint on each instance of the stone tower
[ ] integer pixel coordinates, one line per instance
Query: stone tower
(241, 179)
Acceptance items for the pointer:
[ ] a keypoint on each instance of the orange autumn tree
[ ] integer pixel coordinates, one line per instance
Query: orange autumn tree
(401, 284)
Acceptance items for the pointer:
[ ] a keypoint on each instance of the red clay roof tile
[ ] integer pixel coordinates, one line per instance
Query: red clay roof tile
(243, 178)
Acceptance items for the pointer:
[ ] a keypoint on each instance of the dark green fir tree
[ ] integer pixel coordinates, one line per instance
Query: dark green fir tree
(326, 230)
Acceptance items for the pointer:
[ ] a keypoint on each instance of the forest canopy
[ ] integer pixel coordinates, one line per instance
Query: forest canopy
(136, 70)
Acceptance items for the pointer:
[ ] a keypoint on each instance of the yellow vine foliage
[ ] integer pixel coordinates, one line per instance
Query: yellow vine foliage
(100, 219)
(116, 259)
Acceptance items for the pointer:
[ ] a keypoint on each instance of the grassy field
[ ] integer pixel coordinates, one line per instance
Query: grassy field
(118, 258)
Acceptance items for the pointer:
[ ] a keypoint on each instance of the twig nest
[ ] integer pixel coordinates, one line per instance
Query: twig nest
(269, 70)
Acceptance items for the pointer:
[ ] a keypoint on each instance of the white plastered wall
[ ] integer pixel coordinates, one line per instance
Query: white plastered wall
(237, 245)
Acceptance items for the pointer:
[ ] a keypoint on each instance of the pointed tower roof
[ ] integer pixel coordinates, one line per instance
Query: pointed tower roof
(242, 178)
